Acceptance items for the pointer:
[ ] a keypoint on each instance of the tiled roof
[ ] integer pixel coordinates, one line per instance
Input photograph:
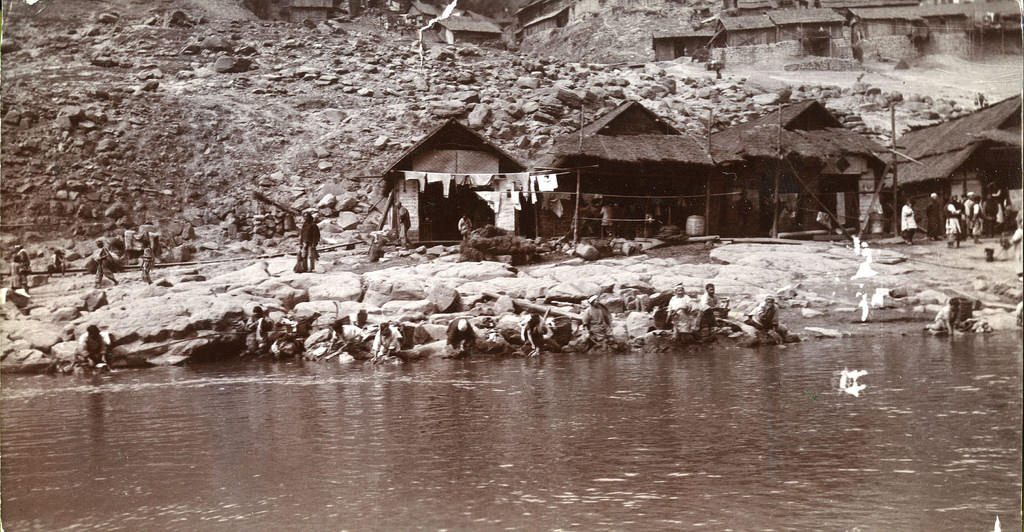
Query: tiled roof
(746, 22)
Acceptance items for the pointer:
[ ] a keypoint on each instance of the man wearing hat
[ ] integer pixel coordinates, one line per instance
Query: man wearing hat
(972, 212)
(259, 327)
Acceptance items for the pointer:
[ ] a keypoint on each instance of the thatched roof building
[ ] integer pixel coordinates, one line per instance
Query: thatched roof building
(981, 150)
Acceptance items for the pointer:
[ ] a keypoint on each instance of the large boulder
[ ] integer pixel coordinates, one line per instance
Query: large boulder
(337, 286)
(93, 301)
(227, 64)
(248, 276)
(286, 294)
(422, 306)
(41, 336)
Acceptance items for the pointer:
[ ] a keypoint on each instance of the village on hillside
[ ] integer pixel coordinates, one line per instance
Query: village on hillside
(517, 265)
(601, 168)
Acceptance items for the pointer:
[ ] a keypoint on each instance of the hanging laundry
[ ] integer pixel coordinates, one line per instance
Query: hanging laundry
(481, 180)
(419, 177)
(515, 202)
(547, 182)
(461, 179)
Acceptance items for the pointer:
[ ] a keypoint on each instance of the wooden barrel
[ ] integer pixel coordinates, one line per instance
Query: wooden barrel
(695, 225)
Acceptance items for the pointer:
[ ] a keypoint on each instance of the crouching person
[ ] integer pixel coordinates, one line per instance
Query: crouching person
(387, 343)
(683, 314)
(461, 338)
(259, 327)
(943, 323)
(765, 318)
(597, 324)
(536, 335)
(93, 353)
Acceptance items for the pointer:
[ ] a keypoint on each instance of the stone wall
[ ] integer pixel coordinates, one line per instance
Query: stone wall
(951, 43)
(780, 51)
(889, 47)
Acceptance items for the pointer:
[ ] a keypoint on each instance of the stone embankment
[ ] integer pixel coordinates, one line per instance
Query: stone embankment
(193, 315)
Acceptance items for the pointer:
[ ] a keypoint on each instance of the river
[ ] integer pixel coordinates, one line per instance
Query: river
(718, 439)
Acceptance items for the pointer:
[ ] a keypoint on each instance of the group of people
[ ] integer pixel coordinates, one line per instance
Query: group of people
(102, 259)
(971, 216)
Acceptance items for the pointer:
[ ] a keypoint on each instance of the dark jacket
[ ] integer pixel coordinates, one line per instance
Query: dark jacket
(310, 234)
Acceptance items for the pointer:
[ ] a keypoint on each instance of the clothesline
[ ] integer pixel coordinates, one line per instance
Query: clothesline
(651, 197)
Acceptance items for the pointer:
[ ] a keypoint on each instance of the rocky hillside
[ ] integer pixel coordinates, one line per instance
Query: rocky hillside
(152, 114)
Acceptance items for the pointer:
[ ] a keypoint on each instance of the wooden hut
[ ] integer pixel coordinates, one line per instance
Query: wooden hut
(683, 43)
(979, 152)
(815, 29)
(631, 160)
(540, 15)
(803, 154)
(450, 172)
(299, 10)
(421, 12)
(745, 30)
(467, 29)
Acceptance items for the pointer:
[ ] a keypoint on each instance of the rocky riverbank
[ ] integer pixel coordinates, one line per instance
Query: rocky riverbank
(191, 314)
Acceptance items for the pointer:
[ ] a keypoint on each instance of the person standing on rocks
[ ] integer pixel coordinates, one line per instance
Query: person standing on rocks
(21, 265)
(309, 239)
(461, 337)
(607, 220)
(104, 264)
(908, 223)
(404, 223)
(147, 264)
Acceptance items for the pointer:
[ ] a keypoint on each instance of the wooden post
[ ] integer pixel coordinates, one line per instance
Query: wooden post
(707, 179)
(576, 214)
(775, 192)
(895, 173)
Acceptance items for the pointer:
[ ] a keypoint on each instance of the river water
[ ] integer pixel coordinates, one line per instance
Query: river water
(717, 439)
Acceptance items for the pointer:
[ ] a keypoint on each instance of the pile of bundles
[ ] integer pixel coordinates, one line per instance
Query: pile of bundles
(489, 242)
(670, 232)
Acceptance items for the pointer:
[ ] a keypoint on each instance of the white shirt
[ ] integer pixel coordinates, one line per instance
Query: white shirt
(908, 217)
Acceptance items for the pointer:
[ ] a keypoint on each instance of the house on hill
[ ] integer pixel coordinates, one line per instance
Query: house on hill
(633, 161)
(682, 43)
(450, 172)
(979, 152)
(744, 30)
(468, 28)
(421, 12)
(541, 15)
(299, 10)
(818, 31)
(819, 167)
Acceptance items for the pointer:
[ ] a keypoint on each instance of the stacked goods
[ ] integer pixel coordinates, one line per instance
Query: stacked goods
(489, 241)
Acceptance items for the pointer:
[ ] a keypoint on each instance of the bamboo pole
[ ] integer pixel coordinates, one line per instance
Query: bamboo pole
(576, 214)
(895, 172)
(707, 178)
(775, 165)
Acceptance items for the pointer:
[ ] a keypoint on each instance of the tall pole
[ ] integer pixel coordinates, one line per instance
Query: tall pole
(707, 179)
(775, 192)
(576, 215)
(895, 172)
